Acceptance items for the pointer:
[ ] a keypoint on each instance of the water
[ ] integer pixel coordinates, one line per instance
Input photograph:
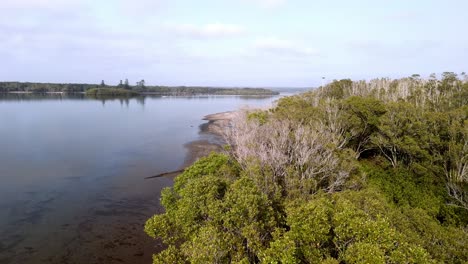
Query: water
(72, 187)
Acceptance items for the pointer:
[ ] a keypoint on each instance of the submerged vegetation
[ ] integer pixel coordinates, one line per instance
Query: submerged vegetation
(353, 172)
(139, 88)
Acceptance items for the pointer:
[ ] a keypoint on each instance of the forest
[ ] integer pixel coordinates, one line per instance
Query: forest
(125, 89)
(353, 172)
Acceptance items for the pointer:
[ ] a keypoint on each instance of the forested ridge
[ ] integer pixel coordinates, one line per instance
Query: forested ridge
(353, 172)
(124, 89)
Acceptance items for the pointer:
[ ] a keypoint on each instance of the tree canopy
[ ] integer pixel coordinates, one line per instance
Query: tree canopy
(353, 172)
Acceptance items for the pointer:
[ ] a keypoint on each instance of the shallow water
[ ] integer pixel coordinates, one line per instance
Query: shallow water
(72, 171)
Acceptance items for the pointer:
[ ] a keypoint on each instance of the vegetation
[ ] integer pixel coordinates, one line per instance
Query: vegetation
(353, 172)
(99, 92)
(6, 87)
(141, 88)
(183, 90)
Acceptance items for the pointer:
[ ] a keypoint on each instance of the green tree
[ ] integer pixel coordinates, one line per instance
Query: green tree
(363, 118)
(353, 172)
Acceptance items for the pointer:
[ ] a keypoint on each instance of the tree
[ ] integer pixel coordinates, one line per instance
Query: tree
(103, 84)
(354, 172)
(456, 158)
(401, 134)
(362, 115)
(141, 83)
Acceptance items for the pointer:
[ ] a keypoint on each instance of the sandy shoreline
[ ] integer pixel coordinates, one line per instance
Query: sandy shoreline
(217, 123)
(215, 129)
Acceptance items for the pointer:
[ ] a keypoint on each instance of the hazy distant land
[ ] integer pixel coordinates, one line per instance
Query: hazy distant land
(124, 89)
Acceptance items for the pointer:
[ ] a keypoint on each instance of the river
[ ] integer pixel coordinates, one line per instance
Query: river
(72, 169)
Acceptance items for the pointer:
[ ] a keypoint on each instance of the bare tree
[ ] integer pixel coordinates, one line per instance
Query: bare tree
(279, 145)
(456, 168)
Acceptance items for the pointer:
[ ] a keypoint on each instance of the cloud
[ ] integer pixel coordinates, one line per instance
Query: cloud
(268, 3)
(401, 49)
(140, 8)
(283, 47)
(40, 4)
(404, 16)
(216, 30)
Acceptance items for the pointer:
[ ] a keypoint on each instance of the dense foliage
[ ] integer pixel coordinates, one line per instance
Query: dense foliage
(6, 87)
(353, 172)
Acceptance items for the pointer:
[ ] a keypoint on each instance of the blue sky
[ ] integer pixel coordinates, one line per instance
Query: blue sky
(274, 43)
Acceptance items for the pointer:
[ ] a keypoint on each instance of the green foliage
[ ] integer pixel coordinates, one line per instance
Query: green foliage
(6, 87)
(444, 244)
(213, 217)
(260, 116)
(214, 163)
(404, 188)
(348, 227)
(310, 228)
(362, 117)
(397, 193)
(169, 255)
(337, 89)
(295, 108)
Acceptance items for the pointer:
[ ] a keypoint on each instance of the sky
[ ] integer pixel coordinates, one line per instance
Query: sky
(255, 43)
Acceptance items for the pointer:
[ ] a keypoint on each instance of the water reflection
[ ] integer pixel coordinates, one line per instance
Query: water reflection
(73, 168)
(39, 96)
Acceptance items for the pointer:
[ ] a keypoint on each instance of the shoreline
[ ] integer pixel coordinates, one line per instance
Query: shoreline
(214, 130)
(148, 94)
(28, 92)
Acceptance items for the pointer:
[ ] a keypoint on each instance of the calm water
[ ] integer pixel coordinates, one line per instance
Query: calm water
(72, 169)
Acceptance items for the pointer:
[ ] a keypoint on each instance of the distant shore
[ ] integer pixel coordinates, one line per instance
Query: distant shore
(129, 90)
(29, 92)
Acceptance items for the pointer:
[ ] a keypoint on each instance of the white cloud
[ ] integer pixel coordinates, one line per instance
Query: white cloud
(215, 30)
(39, 4)
(140, 8)
(268, 3)
(283, 47)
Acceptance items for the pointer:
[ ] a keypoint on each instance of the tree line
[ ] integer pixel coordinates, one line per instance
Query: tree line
(139, 88)
(352, 172)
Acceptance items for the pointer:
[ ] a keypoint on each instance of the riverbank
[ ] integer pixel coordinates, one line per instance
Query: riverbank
(212, 133)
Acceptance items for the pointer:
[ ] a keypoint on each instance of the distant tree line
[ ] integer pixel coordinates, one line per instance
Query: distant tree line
(187, 90)
(140, 88)
(6, 87)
